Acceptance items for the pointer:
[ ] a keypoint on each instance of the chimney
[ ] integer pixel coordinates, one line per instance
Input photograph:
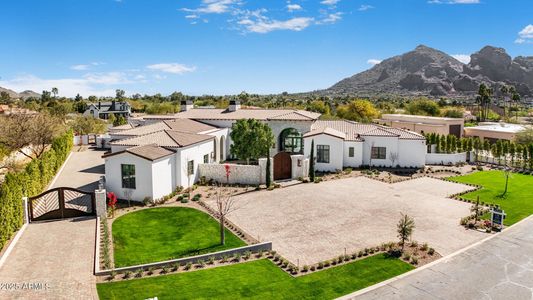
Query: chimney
(234, 105)
(186, 105)
(99, 105)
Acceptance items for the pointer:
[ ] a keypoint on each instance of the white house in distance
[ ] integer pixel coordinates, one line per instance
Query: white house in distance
(151, 160)
(102, 110)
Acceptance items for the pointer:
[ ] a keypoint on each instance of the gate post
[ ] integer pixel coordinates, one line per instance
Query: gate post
(26, 212)
(101, 203)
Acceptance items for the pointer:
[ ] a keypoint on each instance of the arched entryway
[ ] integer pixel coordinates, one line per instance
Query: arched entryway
(222, 148)
(282, 166)
(290, 140)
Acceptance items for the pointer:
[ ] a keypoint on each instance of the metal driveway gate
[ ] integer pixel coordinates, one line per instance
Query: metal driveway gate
(60, 203)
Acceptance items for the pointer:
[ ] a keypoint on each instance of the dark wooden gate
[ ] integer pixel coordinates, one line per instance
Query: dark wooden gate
(282, 166)
(60, 203)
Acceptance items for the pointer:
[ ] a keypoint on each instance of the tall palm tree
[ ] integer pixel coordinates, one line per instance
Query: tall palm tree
(504, 91)
(55, 91)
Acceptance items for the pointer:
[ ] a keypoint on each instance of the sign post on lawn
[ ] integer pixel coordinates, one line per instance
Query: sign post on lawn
(497, 216)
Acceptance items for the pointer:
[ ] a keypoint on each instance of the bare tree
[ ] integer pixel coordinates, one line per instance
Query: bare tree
(394, 156)
(33, 132)
(225, 204)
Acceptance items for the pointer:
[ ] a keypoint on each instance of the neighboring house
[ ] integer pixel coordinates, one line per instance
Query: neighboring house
(493, 131)
(340, 144)
(153, 159)
(424, 124)
(102, 110)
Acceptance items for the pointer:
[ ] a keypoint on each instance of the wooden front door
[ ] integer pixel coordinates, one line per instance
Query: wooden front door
(282, 166)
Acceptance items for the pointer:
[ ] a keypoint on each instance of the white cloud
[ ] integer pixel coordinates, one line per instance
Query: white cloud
(365, 7)
(330, 2)
(330, 18)
(191, 16)
(83, 67)
(373, 61)
(267, 25)
(525, 35)
(464, 58)
(214, 6)
(293, 7)
(173, 68)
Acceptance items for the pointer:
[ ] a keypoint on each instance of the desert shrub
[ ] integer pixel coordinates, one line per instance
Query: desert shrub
(188, 266)
(237, 257)
(348, 170)
(147, 201)
(139, 273)
(175, 267)
(211, 260)
(112, 275)
(200, 263)
(431, 251)
(406, 256)
(394, 252)
(164, 270)
(313, 268)
(305, 268)
(127, 274)
(196, 197)
(360, 253)
(247, 255)
(414, 260)
(414, 244)
(424, 247)
(150, 271)
(327, 263)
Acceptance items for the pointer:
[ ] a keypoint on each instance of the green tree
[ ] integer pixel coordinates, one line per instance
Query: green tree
(88, 125)
(525, 136)
(112, 118)
(120, 121)
(268, 175)
(312, 162)
(119, 94)
(358, 110)
(405, 229)
(424, 107)
(483, 100)
(251, 139)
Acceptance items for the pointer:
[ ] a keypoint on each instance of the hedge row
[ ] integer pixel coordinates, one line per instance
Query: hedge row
(29, 182)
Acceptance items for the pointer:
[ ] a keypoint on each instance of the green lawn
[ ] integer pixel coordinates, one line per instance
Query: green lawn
(517, 203)
(158, 234)
(259, 279)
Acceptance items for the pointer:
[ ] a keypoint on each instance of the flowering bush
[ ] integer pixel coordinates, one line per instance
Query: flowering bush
(228, 172)
(112, 202)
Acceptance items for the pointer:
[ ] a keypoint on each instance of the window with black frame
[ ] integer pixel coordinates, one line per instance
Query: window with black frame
(379, 153)
(190, 167)
(291, 141)
(128, 176)
(322, 154)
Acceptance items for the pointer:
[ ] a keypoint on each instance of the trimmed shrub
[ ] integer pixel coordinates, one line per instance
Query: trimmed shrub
(29, 182)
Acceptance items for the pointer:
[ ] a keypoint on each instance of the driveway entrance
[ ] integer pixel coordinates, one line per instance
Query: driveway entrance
(52, 260)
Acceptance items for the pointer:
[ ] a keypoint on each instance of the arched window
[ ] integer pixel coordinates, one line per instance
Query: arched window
(290, 140)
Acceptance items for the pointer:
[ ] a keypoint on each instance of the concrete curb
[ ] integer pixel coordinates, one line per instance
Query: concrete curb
(431, 264)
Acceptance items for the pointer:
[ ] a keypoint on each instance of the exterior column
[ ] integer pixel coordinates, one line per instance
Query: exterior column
(25, 207)
(101, 203)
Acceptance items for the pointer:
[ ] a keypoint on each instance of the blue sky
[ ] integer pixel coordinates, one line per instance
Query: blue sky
(227, 46)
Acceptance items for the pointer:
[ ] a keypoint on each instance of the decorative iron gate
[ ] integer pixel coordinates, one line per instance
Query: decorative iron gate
(60, 203)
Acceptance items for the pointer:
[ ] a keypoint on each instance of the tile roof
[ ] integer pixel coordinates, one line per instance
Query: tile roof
(326, 130)
(183, 125)
(243, 113)
(164, 138)
(150, 152)
(356, 131)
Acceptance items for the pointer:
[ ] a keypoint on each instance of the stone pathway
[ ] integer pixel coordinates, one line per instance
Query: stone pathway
(499, 268)
(56, 257)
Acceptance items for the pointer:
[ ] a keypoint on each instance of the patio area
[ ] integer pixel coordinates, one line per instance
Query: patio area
(308, 223)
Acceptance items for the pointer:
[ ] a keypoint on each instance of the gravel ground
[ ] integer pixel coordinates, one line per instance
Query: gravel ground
(308, 223)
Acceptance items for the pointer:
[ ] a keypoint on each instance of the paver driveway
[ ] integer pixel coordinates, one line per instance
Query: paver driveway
(82, 170)
(499, 268)
(309, 223)
(59, 255)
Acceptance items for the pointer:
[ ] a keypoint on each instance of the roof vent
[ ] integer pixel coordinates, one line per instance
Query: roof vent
(186, 105)
(234, 105)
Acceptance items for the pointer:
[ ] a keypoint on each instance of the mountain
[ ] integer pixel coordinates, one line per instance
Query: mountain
(428, 71)
(23, 95)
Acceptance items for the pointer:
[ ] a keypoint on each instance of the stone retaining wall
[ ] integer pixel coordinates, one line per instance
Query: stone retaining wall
(266, 246)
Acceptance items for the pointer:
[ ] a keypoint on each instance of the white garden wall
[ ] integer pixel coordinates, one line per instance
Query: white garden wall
(445, 159)
(239, 174)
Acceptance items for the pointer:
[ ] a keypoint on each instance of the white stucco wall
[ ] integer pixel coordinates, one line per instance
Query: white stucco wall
(445, 159)
(357, 159)
(143, 176)
(336, 152)
(411, 153)
(195, 152)
(164, 176)
(299, 166)
(391, 143)
(241, 174)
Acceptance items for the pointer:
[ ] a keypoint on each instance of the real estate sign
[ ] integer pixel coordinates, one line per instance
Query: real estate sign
(497, 216)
